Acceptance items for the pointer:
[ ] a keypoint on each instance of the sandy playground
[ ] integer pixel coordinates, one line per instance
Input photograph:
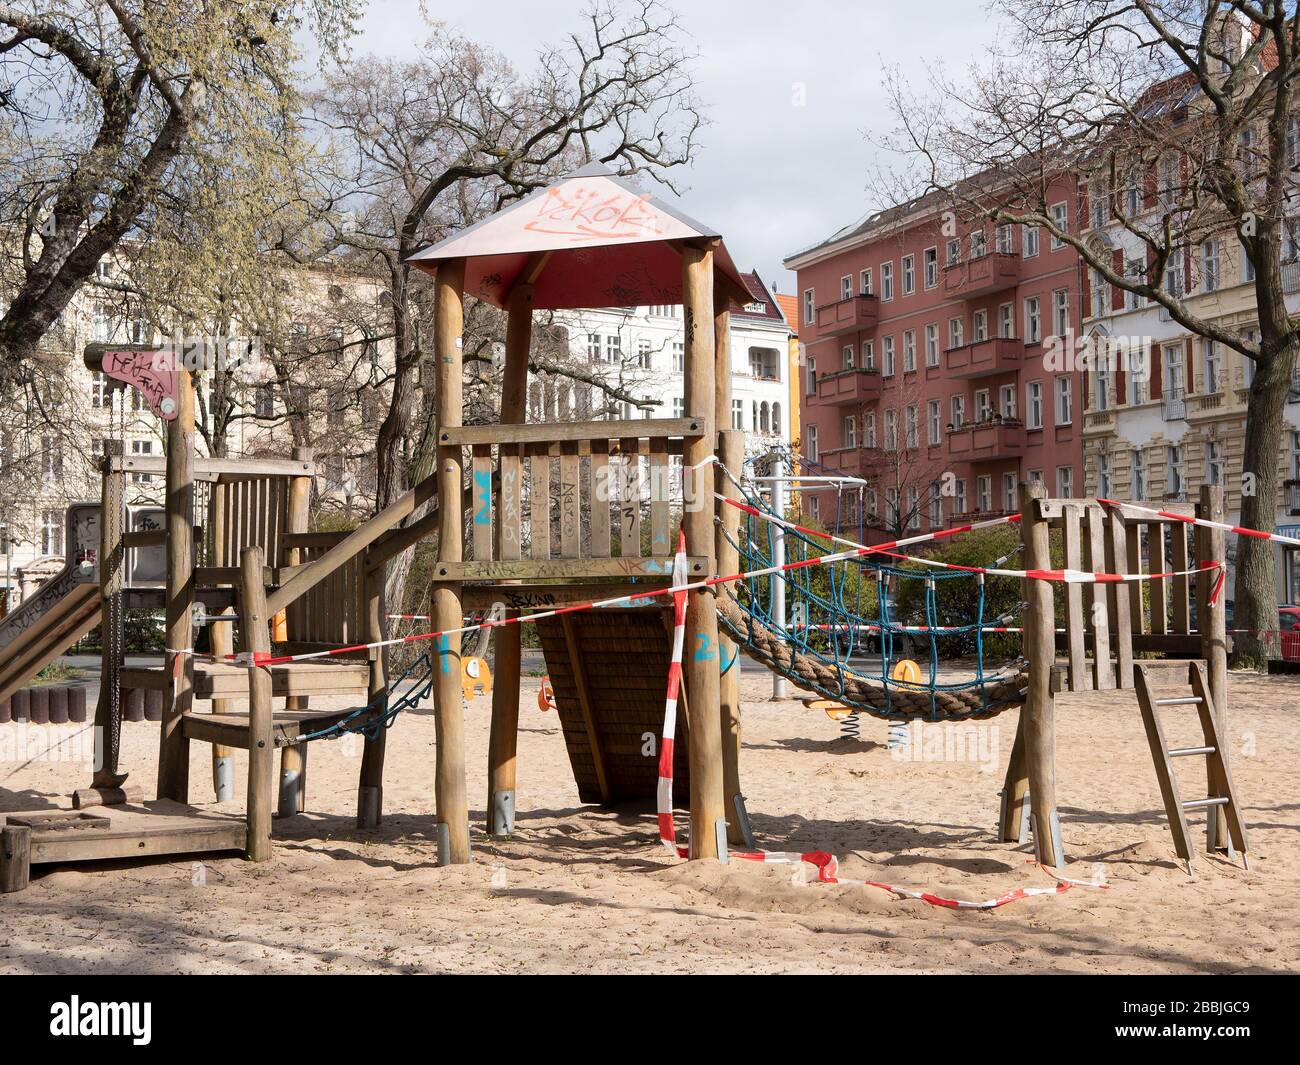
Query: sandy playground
(585, 889)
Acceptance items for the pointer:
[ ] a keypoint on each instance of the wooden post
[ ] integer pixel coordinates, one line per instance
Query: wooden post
(701, 667)
(173, 747)
(261, 754)
(15, 857)
(222, 641)
(1211, 621)
(293, 759)
(370, 788)
(112, 574)
(732, 455)
(1040, 650)
(449, 785)
(503, 739)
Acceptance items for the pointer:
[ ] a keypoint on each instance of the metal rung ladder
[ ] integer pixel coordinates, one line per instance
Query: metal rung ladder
(1222, 794)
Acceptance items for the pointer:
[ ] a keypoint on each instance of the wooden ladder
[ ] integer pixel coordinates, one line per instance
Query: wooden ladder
(1222, 795)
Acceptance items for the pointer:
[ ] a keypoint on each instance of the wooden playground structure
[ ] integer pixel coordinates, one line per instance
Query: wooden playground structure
(554, 517)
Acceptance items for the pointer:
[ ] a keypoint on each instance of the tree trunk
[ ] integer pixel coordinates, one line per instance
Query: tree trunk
(1255, 590)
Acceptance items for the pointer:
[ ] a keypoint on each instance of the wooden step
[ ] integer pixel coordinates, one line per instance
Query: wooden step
(228, 680)
(231, 729)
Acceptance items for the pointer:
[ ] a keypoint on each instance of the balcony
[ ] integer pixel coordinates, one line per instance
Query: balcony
(982, 276)
(1173, 405)
(848, 316)
(984, 358)
(987, 441)
(851, 461)
(851, 387)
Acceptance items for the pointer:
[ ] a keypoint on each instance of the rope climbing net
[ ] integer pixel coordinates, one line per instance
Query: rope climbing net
(849, 622)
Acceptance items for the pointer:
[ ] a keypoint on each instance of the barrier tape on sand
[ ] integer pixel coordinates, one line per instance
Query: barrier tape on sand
(827, 866)
(664, 795)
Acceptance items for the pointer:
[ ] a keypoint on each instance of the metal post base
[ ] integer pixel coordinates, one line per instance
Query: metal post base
(444, 844)
(223, 778)
(503, 812)
(1055, 829)
(369, 806)
(720, 836)
(742, 819)
(1022, 830)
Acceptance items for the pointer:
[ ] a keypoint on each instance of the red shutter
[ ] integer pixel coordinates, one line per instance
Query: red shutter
(1083, 205)
(1187, 367)
(1187, 272)
(1149, 186)
(1120, 394)
(1117, 293)
(1155, 368)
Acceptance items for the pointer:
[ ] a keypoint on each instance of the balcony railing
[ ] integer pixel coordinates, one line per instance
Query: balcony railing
(981, 276)
(1291, 277)
(983, 358)
(1292, 496)
(983, 441)
(852, 315)
(1173, 405)
(850, 387)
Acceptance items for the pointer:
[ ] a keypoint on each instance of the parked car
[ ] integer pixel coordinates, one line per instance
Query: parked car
(1289, 632)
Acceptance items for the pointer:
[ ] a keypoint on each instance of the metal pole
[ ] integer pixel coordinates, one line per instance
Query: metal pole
(779, 687)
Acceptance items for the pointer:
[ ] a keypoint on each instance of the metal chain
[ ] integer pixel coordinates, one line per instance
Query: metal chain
(115, 619)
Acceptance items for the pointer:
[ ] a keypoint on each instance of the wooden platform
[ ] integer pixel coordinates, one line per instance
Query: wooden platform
(226, 680)
(140, 830)
(231, 730)
(609, 672)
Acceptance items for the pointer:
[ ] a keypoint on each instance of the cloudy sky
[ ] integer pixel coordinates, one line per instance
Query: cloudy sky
(771, 176)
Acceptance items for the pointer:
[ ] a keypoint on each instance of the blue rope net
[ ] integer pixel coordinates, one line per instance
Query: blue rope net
(843, 635)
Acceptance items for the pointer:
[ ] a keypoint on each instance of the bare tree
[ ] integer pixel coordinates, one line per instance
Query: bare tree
(1176, 116)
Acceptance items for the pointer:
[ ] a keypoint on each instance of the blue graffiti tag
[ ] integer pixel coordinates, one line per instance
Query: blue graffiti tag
(704, 650)
(483, 492)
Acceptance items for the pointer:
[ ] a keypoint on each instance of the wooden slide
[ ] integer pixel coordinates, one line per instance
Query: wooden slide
(609, 672)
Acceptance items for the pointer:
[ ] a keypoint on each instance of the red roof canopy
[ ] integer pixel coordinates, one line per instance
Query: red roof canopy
(609, 245)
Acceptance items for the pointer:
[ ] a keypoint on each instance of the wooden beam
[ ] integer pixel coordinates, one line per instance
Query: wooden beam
(702, 663)
(256, 637)
(552, 433)
(1211, 621)
(567, 568)
(732, 454)
(449, 719)
(1039, 644)
(584, 707)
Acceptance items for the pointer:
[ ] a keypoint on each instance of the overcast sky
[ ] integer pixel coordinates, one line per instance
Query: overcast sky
(771, 177)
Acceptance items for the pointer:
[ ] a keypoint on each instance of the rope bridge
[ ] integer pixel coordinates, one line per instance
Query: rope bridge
(836, 610)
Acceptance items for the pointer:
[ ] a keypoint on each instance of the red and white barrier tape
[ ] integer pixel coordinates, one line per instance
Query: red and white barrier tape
(667, 834)
(827, 866)
(1206, 523)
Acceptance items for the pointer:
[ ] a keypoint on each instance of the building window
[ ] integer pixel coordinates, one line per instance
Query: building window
(886, 281)
(1099, 198)
(1139, 463)
(959, 496)
(1034, 404)
(889, 367)
(1213, 462)
(909, 351)
(846, 357)
(891, 507)
(932, 345)
(983, 406)
(1247, 267)
(1029, 241)
(811, 377)
(891, 430)
(1174, 281)
(811, 444)
(1176, 483)
(980, 326)
(51, 457)
(593, 347)
(1065, 482)
(956, 332)
(909, 426)
(850, 431)
(1033, 320)
(1100, 295)
(846, 288)
(1007, 403)
(952, 253)
(978, 244)
(1103, 475)
(814, 507)
(1006, 321)
(868, 355)
(1061, 220)
(738, 414)
(933, 422)
(984, 492)
(614, 350)
(1210, 266)
(1102, 381)
(51, 532)
(909, 274)
(958, 411)
(679, 356)
(936, 506)
(1008, 491)
(930, 264)
(865, 280)
(913, 507)
(643, 353)
(1061, 312)
(809, 311)
(1174, 382)
(1003, 239)
(1213, 366)
(263, 401)
(869, 429)
(679, 407)
(99, 393)
(776, 418)
(1064, 401)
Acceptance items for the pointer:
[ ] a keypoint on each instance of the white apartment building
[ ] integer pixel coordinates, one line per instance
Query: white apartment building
(642, 348)
(1162, 435)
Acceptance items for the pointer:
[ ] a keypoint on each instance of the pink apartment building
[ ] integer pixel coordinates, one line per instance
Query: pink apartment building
(923, 369)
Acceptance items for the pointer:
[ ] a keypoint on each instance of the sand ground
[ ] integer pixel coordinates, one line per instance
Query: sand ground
(584, 889)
